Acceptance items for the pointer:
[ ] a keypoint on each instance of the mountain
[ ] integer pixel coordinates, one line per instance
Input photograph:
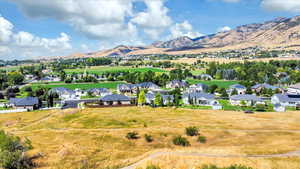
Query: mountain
(280, 33)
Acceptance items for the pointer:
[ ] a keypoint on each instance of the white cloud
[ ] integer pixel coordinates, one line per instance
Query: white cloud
(224, 29)
(281, 5)
(6, 29)
(155, 19)
(183, 29)
(26, 45)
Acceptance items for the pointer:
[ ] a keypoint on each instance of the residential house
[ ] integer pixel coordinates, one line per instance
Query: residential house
(126, 88)
(64, 93)
(204, 77)
(279, 108)
(48, 79)
(286, 100)
(99, 92)
(294, 89)
(247, 99)
(150, 98)
(177, 84)
(132, 88)
(115, 100)
(148, 86)
(199, 88)
(201, 99)
(29, 103)
(239, 88)
(259, 87)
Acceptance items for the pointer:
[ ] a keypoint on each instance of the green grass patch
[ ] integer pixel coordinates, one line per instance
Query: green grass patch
(83, 86)
(105, 69)
(219, 83)
(197, 107)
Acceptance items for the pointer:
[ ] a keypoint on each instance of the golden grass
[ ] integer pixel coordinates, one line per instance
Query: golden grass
(95, 138)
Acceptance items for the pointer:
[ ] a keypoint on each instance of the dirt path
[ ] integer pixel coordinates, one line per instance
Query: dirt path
(186, 154)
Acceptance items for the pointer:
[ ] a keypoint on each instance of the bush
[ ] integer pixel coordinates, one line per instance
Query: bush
(230, 167)
(132, 135)
(12, 152)
(152, 167)
(181, 141)
(148, 138)
(201, 139)
(192, 131)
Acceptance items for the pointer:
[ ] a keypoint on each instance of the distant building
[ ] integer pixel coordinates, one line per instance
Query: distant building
(201, 99)
(115, 100)
(133, 88)
(259, 87)
(99, 92)
(177, 84)
(199, 88)
(249, 100)
(294, 89)
(29, 103)
(150, 98)
(64, 93)
(286, 100)
(239, 88)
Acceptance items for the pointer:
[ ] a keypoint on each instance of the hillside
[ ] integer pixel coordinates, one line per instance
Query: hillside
(95, 138)
(280, 33)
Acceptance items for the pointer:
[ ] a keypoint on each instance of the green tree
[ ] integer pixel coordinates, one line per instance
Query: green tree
(15, 78)
(158, 100)
(13, 152)
(234, 92)
(142, 98)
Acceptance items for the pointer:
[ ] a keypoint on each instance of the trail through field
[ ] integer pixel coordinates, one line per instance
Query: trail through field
(194, 154)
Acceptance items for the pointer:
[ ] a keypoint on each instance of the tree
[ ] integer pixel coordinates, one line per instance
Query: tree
(234, 92)
(212, 88)
(142, 98)
(249, 91)
(15, 78)
(13, 152)
(158, 101)
(223, 92)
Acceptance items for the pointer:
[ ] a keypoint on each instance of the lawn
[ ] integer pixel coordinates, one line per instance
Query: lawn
(83, 86)
(104, 69)
(95, 138)
(219, 83)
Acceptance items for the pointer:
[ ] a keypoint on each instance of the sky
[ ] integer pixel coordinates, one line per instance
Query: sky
(32, 29)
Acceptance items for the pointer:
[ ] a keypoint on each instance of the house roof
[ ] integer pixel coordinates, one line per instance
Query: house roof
(147, 85)
(264, 85)
(151, 96)
(287, 98)
(237, 86)
(199, 95)
(27, 101)
(99, 90)
(246, 97)
(295, 86)
(178, 83)
(199, 85)
(62, 90)
(115, 97)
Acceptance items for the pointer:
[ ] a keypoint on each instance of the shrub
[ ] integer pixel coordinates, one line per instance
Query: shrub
(13, 152)
(152, 167)
(181, 141)
(148, 138)
(192, 131)
(132, 135)
(201, 139)
(230, 167)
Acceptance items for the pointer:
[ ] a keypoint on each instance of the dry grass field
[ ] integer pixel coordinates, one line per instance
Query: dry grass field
(95, 138)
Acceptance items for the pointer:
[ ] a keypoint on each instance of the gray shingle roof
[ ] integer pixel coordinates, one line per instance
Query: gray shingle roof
(265, 85)
(246, 97)
(237, 86)
(27, 101)
(199, 95)
(115, 97)
(62, 90)
(287, 98)
(99, 90)
(178, 83)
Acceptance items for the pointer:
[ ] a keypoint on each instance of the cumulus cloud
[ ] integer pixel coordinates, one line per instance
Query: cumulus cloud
(224, 29)
(26, 45)
(183, 29)
(155, 19)
(281, 5)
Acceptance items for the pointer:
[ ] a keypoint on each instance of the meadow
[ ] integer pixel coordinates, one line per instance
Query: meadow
(95, 138)
(104, 69)
(83, 86)
(219, 83)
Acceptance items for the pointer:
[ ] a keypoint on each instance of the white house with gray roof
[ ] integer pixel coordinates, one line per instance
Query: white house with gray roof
(177, 84)
(294, 89)
(239, 88)
(150, 98)
(259, 87)
(98, 92)
(200, 99)
(64, 93)
(199, 88)
(115, 100)
(286, 100)
(248, 99)
(132, 88)
(29, 103)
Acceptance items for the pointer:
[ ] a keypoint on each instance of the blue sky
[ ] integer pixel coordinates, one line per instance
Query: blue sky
(29, 28)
